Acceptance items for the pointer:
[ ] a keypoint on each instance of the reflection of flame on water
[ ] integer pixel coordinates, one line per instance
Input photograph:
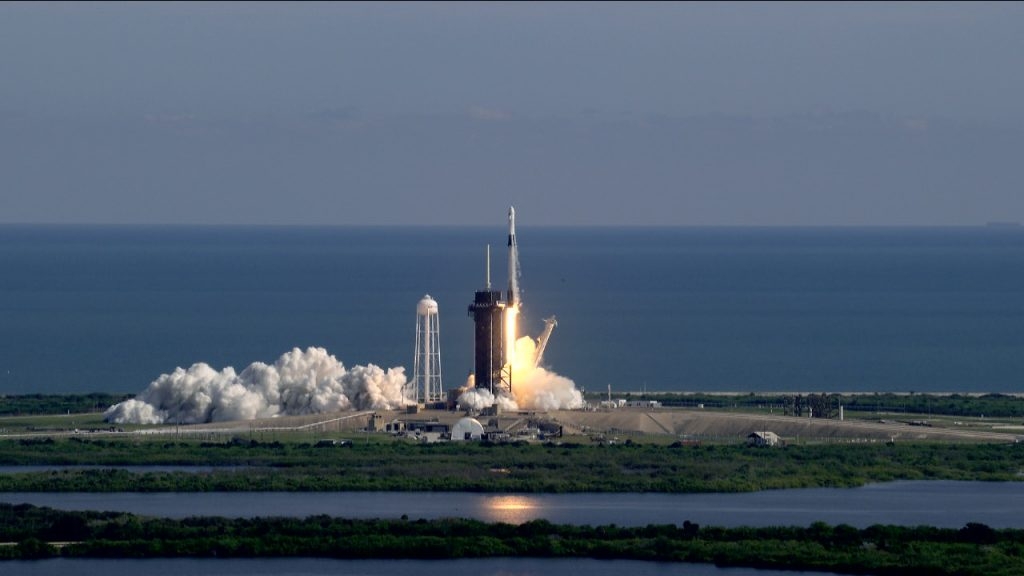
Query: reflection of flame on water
(512, 509)
(510, 503)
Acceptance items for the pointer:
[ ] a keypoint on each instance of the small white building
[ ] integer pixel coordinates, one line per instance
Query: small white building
(644, 404)
(428, 437)
(764, 438)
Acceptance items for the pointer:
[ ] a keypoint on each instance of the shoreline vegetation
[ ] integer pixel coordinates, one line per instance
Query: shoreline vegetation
(293, 461)
(256, 460)
(991, 405)
(29, 532)
(826, 405)
(241, 465)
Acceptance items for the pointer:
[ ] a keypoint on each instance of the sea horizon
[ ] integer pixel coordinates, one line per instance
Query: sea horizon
(993, 225)
(109, 308)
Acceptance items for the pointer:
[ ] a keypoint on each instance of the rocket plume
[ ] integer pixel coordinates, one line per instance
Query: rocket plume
(299, 382)
(533, 387)
(538, 388)
(511, 332)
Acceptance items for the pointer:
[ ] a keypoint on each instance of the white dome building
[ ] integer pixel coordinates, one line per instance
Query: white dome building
(467, 429)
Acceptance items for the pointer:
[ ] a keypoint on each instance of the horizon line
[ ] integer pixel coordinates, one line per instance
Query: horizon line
(995, 225)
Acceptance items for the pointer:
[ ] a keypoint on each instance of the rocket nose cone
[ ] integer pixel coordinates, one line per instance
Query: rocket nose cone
(511, 212)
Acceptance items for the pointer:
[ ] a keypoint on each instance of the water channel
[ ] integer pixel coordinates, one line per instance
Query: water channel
(936, 503)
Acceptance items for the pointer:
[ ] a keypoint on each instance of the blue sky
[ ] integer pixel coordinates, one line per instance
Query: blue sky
(577, 113)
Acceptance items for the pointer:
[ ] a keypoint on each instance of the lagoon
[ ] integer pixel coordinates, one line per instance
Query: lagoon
(947, 504)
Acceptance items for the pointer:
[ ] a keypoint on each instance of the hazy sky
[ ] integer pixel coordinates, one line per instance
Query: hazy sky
(577, 113)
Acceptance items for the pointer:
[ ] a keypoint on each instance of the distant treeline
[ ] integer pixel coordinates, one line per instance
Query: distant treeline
(827, 405)
(36, 404)
(817, 405)
(251, 465)
(35, 533)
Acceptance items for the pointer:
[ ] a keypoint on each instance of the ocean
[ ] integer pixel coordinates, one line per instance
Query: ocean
(111, 308)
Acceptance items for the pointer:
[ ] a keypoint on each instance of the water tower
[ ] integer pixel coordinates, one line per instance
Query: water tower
(426, 371)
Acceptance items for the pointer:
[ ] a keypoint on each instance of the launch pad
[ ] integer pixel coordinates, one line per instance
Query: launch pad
(488, 315)
(494, 336)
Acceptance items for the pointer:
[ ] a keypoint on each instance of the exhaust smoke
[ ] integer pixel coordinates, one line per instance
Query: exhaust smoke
(533, 387)
(299, 382)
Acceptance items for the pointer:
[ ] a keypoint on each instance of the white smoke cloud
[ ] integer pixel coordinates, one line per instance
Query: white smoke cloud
(300, 382)
(540, 389)
(478, 399)
(533, 387)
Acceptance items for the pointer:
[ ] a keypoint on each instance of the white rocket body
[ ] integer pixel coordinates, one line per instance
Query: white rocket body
(513, 259)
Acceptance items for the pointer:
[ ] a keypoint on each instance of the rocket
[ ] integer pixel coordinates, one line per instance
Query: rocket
(511, 226)
(513, 259)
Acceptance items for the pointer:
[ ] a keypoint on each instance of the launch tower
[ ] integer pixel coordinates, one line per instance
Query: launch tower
(488, 337)
(495, 322)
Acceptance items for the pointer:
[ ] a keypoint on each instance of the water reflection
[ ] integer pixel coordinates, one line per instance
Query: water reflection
(512, 509)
